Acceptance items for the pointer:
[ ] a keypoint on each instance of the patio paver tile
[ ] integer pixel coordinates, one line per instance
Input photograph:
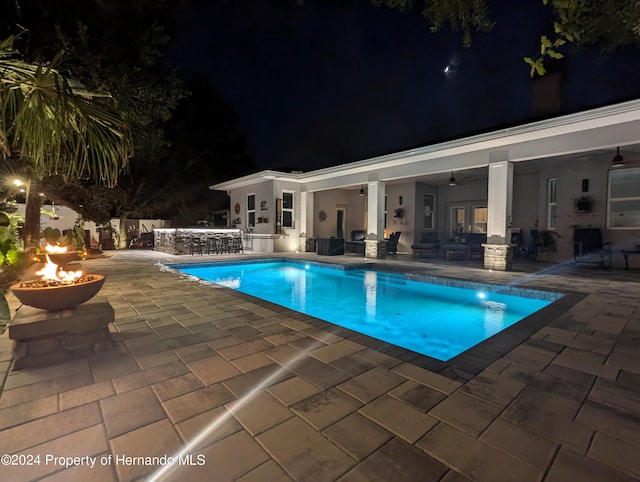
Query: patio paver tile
(45, 388)
(371, 384)
(610, 421)
(208, 427)
(358, 435)
(530, 356)
(304, 453)
(149, 376)
(259, 412)
(251, 362)
(570, 465)
(193, 403)
(292, 390)
(466, 413)
(430, 379)
(616, 453)
(378, 358)
(34, 375)
(493, 388)
(28, 411)
(153, 440)
(335, 351)
(520, 443)
(266, 472)
(228, 459)
(319, 374)
(399, 418)
(475, 459)
(259, 378)
(397, 460)
(86, 394)
(417, 395)
(352, 365)
(87, 442)
(156, 359)
(587, 362)
(48, 428)
(550, 425)
(213, 369)
(174, 387)
(130, 410)
(326, 407)
(244, 349)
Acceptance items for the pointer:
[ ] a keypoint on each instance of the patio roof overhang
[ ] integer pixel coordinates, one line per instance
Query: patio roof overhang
(596, 129)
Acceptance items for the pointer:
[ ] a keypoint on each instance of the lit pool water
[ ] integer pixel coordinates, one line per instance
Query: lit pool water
(432, 319)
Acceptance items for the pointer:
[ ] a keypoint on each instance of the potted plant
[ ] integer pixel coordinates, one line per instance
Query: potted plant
(583, 203)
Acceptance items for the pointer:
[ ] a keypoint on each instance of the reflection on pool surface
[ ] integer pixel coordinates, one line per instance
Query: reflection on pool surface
(432, 319)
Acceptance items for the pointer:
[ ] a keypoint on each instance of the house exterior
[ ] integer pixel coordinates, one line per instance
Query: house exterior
(525, 178)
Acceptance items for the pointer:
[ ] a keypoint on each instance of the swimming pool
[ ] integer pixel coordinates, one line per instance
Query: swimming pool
(432, 319)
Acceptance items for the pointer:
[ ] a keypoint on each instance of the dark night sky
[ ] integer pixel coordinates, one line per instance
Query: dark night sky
(335, 81)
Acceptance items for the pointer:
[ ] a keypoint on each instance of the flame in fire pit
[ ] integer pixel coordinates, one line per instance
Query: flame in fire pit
(55, 249)
(50, 272)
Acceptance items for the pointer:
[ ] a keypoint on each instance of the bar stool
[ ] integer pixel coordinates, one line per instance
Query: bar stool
(236, 243)
(224, 244)
(212, 245)
(195, 246)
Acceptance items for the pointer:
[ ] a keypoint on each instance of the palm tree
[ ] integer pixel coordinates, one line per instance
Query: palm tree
(52, 125)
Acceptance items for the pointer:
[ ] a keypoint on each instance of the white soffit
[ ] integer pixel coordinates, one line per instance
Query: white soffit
(522, 138)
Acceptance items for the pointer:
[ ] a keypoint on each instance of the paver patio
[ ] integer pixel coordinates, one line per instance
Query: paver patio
(256, 392)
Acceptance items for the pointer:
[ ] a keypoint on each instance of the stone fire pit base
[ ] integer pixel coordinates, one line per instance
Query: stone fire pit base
(44, 337)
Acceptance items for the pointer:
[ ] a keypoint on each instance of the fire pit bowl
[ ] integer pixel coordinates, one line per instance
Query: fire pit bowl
(60, 259)
(37, 294)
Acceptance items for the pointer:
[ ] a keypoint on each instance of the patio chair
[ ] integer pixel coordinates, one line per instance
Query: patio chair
(428, 244)
(356, 242)
(588, 247)
(392, 243)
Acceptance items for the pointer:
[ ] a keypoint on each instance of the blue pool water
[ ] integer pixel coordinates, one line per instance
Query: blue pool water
(431, 319)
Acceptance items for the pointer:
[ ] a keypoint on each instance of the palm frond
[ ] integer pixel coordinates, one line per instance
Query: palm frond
(58, 126)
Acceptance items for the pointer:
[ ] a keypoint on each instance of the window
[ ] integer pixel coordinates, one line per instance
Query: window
(251, 210)
(551, 203)
(429, 211)
(457, 219)
(287, 209)
(479, 219)
(624, 199)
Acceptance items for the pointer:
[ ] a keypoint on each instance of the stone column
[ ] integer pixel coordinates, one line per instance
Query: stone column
(498, 253)
(307, 240)
(375, 245)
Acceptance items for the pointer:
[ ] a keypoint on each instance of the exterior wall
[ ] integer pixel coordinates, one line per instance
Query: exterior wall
(526, 203)
(406, 225)
(421, 189)
(569, 186)
(467, 194)
(330, 202)
(264, 192)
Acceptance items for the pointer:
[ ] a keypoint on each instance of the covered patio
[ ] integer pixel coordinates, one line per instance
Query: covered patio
(254, 391)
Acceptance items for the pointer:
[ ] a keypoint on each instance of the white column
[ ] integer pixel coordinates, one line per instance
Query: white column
(498, 253)
(306, 214)
(500, 201)
(375, 206)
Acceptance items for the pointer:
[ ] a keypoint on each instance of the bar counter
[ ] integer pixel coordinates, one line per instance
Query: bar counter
(178, 240)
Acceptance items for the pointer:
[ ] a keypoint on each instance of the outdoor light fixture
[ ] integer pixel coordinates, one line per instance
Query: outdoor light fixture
(452, 180)
(618, 160)
(362, 193)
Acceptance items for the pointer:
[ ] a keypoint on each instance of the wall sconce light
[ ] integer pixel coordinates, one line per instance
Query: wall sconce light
(362, 193)
(618, 160)
(452, 180)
